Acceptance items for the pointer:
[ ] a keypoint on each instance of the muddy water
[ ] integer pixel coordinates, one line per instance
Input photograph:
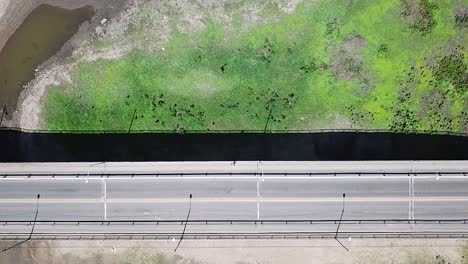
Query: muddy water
(42, 34)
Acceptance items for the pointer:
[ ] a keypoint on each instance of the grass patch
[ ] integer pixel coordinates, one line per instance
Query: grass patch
(357, 60)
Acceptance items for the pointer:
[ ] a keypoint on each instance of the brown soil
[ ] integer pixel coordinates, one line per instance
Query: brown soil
(348, 63)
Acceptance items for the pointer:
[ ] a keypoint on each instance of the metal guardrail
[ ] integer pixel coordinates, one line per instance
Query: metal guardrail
(227, 174)
(240, 131)
(210, 236)
(234, 222)
(231, 235)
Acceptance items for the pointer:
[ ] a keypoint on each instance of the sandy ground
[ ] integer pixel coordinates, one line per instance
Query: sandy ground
(237, 252)
(133, 24)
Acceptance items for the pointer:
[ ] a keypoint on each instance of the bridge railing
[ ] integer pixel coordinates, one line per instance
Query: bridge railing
(235, 222)
(207, 236)
(228, 174)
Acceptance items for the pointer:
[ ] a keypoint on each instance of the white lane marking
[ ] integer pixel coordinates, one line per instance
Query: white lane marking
(409, 198)
(237, 200)
(258, 199)
(105, 198)
(413, 196)
(258, 191)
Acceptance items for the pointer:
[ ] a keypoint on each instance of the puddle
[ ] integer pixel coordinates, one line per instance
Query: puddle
(41, 36)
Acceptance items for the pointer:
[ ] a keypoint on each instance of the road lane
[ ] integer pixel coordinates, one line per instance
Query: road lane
(323, 188)
(441, 187)
(27, 189)
(55, 211)
(441, 209)
(208, 188)
(179, 210)
(332, 210)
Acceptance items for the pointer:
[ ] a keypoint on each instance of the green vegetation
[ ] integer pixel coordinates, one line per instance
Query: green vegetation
(374, 64)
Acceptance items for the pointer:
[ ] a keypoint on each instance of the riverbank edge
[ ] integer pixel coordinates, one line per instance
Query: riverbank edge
(28, 112)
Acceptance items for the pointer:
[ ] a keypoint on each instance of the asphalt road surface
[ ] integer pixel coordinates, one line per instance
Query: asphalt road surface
(254, 192)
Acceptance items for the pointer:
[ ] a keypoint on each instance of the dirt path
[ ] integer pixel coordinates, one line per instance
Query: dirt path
(239, 251)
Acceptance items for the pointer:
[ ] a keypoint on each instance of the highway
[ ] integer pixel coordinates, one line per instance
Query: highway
(242, 191)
